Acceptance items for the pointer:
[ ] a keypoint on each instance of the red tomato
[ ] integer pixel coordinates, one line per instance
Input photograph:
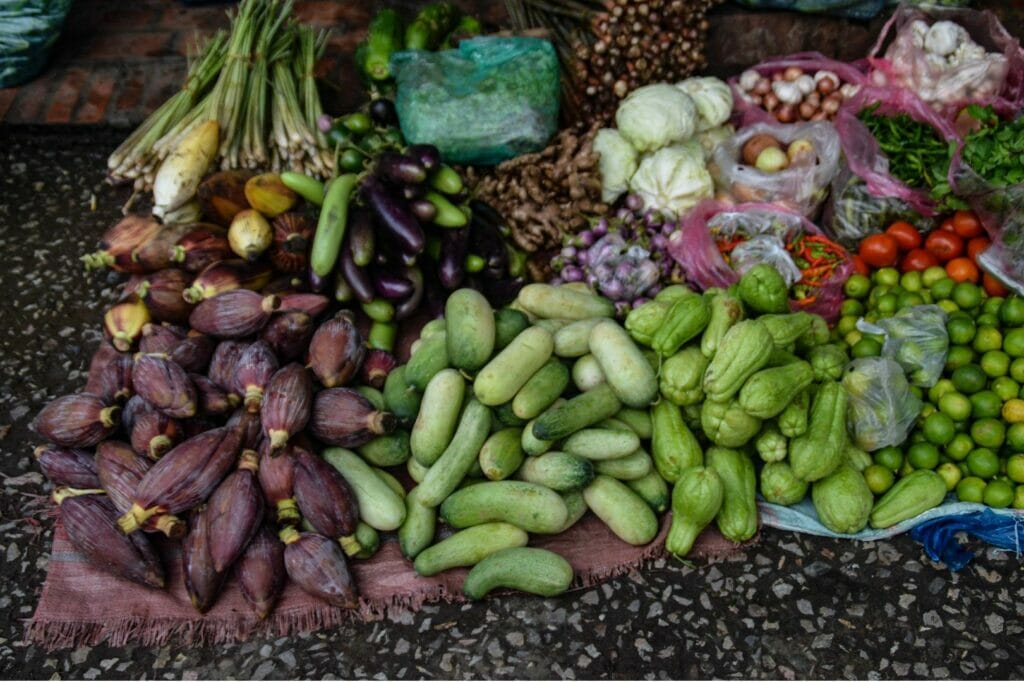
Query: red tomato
(859, 266)
(993, 287)
(918, 260)
(967, 225)
(879, 250)
(947, 225)
(962, 270)
(976, 246)
(944, 245)
(905, 234)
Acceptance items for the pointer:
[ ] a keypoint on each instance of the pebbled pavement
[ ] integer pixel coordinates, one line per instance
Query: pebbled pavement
(792, 607)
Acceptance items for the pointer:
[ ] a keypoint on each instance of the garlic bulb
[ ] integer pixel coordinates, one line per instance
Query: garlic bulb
(944, 37)
(748, 79)
(806, 84)
(787, 92)
(918, 31)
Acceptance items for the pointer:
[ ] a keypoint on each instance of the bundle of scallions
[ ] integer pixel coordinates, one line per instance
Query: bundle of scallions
(257, 82)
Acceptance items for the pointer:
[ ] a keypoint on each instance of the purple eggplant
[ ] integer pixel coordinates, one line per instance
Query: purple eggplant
(391, 286)
(451, 266)
(427, 154)
(356, 276)
(424, 210)
(411, 192)
(400, 168)
(393, 215)
(382, 111)
(408, 307)
(485, 239)
(317, 284)
(361, 237)
(501, 291)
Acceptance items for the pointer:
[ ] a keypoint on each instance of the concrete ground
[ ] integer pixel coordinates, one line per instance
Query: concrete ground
(792, 607)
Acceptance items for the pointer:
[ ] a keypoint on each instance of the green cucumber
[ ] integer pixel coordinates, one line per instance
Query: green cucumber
(388, 450)
(383, 37)
(638, 419)
(653, 489)
(502, 454)
(508, 324)
(417, 531)
(375, 397)
(559, 471)
(430, 358)
(468, 547)
(438, 417)
(622, 510)
(559, 421)
(469, 320)
(310, 189)
(553, 325)
(547, 301)
(534, 508)
(509, 370)
(615, 425)
(541, 390)
(587, 373)
(625, 368)
(628, 468)
(577, 507)
(434, 326)
(368, 539)
(601, 444)
(505, 416)
(527, 569)
(573, 340)
(417, 471)
(401, 397)
(531, 445)
(460, 455)
(378, 504)
(330, 229)
(447, 214)
(393, 483)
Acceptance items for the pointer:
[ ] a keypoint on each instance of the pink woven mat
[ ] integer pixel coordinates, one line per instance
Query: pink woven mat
(82, 605)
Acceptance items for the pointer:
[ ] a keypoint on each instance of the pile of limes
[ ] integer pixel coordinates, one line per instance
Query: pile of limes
(971, 429)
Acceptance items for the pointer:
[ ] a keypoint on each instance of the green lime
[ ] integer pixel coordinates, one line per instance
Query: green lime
(1005, 387)
(938, 429)
(890, 457)
(941, 388)
(1018, 497)
(887, 304)
(923, 456)
(988, 433)
(1015, 437)
(943, 289)
(852, 307)
(853, 337)
(983, 463)
(967, 295)
(846, 324)
(986, 320)
(1013, 342)
(969, 379)
(1012, 311)
(867, 347)
(992, 305)
(879, 478)
(995, 363)
(912, 281)
(955, 405)
(926, 411)
(970, 489)
(958, 356)
(875, 294)
(918, 392)
(890, 277)
(909, 299)
(948, 306)
(1015, 468)
(986, 405)
(857, 286)
(961, 329)
(959, 447)
(1017, 370)
(935, 273)
(998, 494)
(950, 474)
(986, 339)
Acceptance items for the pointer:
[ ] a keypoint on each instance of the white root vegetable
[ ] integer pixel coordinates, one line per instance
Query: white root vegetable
(180, 174)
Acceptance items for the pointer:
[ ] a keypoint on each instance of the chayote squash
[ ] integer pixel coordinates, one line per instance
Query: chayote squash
(817, 453)
(779, 485)
(643, 322)
(687, 318)
(744, 349)
(843, 500)
(696, 500)
(913, 494)
(793, 420)
(769, 391)
(726, 424)
(818, 335)
(764, 290)
(726, 310)
(737, 520)
(828, 362)
(681, 376)
(771, 445)
(787, 328)
(674, 448)
(856, 458)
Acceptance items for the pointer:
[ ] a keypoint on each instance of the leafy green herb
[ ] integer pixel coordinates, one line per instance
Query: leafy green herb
(996, 150)
(918, 156)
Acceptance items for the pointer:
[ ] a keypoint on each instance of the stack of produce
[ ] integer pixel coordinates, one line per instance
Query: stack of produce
(257, 83)
(793, 94)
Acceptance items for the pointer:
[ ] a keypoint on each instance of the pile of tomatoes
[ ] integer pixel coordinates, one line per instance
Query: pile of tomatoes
(955, 245)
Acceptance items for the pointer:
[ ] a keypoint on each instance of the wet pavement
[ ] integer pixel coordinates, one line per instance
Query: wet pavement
(791, 607)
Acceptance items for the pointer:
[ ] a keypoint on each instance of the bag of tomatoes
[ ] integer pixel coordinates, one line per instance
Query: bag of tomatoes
(706, 246)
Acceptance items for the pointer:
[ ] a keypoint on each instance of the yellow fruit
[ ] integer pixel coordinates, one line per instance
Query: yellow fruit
(1013, 411)
(268, 195)
(250, 234)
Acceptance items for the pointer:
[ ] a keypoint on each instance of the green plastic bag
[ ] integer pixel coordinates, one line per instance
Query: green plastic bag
(28, 29)
(490, 100)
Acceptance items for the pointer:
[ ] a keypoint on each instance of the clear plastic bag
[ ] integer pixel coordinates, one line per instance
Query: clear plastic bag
(916, 338)
(619, 271)
(695, 247)
(766, 248)
(801, 187)
(899, 59)
(490, 100)
(881, 407)
(853, 211)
